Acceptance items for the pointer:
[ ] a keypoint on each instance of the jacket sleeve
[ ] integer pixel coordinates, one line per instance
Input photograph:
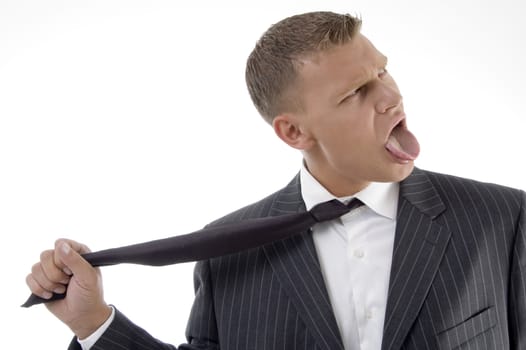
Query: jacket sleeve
(201, 330)
(517, 296)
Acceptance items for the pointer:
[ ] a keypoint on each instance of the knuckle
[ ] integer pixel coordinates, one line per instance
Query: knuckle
(55, 275)
(40, 278)
(85, 249)
(52, 272)
(29, 280)
(36, 268)
(34, 286)
(46, 255)
(47, 285)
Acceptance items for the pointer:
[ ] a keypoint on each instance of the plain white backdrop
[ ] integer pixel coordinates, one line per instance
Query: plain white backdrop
(123, 121)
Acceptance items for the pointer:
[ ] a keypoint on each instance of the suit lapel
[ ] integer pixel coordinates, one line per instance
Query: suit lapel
(419, 246)
(295, 263)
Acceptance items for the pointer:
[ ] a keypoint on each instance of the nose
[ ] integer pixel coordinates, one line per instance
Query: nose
(388, 97)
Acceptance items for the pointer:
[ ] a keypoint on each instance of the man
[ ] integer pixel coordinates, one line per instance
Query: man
(429, 262)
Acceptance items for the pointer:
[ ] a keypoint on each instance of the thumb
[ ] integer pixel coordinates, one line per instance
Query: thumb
(73, 262)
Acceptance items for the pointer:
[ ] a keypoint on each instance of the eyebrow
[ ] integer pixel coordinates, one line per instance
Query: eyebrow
(382, 62)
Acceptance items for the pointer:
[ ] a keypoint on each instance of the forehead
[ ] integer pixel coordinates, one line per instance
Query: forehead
(341, 66)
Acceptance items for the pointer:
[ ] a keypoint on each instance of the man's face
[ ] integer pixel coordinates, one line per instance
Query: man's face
(353, 119)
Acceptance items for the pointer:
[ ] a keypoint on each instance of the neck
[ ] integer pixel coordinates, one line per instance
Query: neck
(337, 184)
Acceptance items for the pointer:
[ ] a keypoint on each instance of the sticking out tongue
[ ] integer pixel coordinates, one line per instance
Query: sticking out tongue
(402, 144)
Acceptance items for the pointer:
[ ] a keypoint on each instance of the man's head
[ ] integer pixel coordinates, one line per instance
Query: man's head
(326, 91)
(272, 67)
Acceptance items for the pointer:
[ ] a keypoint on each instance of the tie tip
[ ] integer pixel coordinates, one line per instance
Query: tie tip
(34, 300)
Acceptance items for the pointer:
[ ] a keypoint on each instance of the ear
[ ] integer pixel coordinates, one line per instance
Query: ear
(290, 130)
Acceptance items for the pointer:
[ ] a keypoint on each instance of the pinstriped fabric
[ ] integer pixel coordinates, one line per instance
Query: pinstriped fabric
(125, 335)
(263, 289)
(415, 260)
(472, 295)
(264, 317)
(517, 295)
(458, 279)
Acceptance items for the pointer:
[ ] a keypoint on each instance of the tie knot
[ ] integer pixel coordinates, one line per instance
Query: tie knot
(333, 209)
(354, 203)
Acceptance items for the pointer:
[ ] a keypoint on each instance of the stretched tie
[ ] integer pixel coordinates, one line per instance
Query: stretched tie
(214, 241)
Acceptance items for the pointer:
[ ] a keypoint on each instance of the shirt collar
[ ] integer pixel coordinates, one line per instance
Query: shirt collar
(381, 197)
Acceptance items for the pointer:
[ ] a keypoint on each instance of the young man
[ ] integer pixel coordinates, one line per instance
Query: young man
(429, 262)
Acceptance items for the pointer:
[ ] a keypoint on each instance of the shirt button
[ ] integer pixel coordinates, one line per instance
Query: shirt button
(358, 253)
(369, 314)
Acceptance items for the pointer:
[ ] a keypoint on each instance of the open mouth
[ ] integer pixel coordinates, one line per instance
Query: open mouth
(401, 143)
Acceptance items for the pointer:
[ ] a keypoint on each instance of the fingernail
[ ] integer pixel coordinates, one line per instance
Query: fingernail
(59, 290)
(67, 271)
(65, 248)
(46, 295)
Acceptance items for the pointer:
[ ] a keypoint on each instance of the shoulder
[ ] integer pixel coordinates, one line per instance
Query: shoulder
(288, 196)
(455, 189)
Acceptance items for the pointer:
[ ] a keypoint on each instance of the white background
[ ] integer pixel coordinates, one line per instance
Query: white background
(117, 115)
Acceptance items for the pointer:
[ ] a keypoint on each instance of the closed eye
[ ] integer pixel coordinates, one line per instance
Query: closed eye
(353, 93)
(382, 73)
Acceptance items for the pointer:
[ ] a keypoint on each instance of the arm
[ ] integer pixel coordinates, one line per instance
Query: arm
(517, 296)
(124, 334)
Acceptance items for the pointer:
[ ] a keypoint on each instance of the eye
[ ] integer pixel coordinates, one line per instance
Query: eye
(353, 93)
(356, 91)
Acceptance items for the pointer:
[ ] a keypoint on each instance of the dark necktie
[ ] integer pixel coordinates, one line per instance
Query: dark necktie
(214, 241)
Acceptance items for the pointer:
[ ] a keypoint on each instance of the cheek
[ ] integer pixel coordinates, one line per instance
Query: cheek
(347, 127)
(353, 143)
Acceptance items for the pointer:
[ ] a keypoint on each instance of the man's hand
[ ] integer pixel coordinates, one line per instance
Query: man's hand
(83, 309)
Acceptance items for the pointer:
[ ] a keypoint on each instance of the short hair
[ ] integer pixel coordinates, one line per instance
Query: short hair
(272, 67)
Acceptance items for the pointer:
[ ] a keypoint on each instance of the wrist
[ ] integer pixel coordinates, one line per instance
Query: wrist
(86, 326)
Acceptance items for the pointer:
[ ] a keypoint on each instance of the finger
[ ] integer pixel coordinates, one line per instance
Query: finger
(41, 283)
(36, 288)
(53, 272)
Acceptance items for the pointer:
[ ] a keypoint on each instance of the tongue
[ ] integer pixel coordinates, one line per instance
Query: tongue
(403, 144)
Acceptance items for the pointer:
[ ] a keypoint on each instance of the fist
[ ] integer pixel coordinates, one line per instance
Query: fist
(63, 268)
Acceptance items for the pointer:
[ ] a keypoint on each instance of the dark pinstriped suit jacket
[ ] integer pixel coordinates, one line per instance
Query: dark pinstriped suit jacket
(458, 279)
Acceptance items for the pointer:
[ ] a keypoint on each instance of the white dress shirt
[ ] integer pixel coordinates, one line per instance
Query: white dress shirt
(355, 254)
